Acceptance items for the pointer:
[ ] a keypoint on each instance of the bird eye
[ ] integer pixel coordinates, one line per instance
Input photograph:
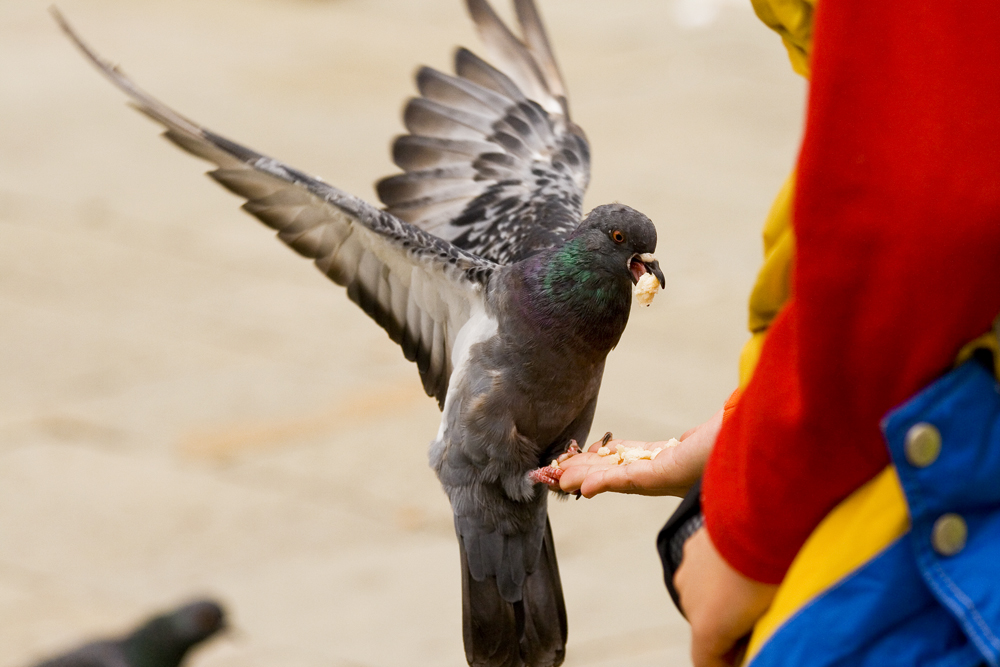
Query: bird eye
(617, 236)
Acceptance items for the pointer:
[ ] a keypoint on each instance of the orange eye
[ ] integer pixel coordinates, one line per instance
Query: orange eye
(617, 236)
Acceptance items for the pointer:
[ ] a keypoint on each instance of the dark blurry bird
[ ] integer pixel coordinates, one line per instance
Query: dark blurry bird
(162, 641)
(482, 270)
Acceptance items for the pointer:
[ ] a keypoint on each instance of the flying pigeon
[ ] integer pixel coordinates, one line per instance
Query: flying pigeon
(484, 270)
(162, 641)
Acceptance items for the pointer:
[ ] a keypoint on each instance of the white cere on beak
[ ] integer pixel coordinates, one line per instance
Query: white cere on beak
(647, 257)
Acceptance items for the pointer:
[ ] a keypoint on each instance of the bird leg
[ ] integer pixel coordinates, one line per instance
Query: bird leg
(551, 473)
(548, 475)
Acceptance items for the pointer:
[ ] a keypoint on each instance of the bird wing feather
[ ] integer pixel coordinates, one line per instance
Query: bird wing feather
(492, 161)
(420, 288)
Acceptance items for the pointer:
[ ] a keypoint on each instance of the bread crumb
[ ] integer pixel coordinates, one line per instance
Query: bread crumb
(646, 288)
(633, 455)
(624, 455)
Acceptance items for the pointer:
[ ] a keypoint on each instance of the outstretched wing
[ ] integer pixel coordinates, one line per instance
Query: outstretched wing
(418, 287)
(492, 162)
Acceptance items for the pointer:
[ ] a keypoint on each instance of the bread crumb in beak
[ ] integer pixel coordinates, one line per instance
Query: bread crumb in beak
(645, 289)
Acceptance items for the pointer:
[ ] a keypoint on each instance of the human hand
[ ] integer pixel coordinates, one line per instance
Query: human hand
(720, 603)
(673, 471)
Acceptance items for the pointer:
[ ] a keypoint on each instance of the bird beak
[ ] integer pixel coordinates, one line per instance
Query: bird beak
(645, 263)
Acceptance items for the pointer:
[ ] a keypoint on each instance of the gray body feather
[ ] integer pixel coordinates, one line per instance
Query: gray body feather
(494, 176)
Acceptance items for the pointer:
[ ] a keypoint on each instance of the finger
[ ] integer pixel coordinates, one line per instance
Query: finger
(602, 480)
(581, 460)
(642, 477)
(578, 468)
(603, 474)
(593, 482)
(572, 479)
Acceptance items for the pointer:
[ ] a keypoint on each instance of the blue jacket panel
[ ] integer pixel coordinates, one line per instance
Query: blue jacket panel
(912, 604)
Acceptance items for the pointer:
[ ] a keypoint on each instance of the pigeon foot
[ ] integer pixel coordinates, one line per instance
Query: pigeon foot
(571, 450)
(549, 475)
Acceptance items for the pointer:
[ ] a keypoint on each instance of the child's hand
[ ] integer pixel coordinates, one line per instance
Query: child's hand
(721, 604)
(672, 472)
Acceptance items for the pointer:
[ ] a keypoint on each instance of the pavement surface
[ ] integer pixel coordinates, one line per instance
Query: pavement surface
(188, 408)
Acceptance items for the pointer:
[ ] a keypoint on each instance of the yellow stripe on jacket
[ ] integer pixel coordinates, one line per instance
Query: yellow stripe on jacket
(858, 529)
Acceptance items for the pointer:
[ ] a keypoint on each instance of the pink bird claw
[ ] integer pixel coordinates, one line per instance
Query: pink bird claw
(547, 475)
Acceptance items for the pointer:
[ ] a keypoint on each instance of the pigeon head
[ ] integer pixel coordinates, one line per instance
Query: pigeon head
(163, 641)
(197, 621)
(582, 289)
(624, 239)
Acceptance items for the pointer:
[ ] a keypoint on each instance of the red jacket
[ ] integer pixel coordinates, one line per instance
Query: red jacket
(897, 224)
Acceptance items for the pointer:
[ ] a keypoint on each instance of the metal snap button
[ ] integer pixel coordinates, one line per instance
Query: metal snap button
(922, 445)
(949, 534)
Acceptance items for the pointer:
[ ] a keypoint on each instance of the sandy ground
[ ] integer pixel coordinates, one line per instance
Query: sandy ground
(186, 407)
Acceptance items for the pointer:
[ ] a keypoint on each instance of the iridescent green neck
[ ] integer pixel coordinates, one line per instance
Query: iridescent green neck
(571, 277)
(576, 292)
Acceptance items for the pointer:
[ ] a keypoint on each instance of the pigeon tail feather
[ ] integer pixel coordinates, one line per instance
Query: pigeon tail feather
(529, 632)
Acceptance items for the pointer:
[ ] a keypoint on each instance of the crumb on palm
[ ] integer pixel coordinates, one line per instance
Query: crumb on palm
(625, 455)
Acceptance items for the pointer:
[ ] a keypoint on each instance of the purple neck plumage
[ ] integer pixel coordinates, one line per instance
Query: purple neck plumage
(569, 293)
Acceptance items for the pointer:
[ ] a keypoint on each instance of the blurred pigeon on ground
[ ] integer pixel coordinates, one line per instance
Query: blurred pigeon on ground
(483, 268)
(162, 641)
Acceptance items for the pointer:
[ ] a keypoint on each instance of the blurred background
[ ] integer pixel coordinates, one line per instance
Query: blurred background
(187, 407)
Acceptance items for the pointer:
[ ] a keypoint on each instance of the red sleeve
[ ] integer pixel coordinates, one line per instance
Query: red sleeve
(897, 223)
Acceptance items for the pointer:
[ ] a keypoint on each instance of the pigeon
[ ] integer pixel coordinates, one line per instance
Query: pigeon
(483, 268)
(162, 641)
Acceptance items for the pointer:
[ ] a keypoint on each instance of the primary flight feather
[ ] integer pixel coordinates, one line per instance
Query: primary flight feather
(484, 270)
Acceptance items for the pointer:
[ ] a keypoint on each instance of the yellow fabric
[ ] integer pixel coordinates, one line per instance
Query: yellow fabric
(771, 289)
(793, 20)
(868, 521)
(988, 341)
(749, 356)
